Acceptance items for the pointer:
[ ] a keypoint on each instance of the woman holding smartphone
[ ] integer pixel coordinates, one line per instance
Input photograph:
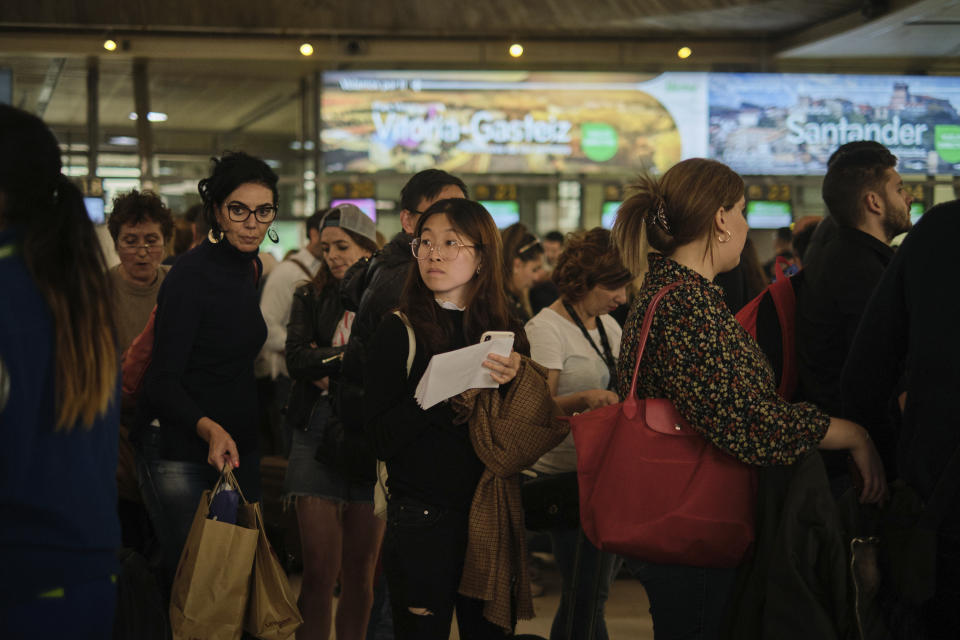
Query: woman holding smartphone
(452, 295)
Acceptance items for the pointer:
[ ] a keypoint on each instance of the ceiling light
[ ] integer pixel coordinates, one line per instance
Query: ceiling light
(306, 49)
(123, 141)
(110, 44)
(152, 116)
(684, 52)
(516, 50)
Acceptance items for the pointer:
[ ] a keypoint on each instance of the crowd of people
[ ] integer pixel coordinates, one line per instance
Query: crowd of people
(319, 361)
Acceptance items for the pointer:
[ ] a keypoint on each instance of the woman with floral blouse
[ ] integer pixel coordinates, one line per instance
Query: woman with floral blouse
(701, 359)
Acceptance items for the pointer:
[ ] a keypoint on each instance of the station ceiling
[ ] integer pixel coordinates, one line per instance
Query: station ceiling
(228, 72)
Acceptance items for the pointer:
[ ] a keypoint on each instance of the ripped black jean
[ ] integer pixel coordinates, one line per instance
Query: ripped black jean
(423, 554)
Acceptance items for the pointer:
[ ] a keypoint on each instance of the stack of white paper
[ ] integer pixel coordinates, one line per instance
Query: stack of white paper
(451, 373)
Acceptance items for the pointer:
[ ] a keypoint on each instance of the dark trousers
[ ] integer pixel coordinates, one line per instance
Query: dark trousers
(423, 554)
(686, 603)
(580, 585)
(942, 613)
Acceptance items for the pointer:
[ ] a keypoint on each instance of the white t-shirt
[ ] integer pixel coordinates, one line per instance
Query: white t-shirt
(557, 343)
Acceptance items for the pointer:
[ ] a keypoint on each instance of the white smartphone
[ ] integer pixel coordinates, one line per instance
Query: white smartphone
(490, 335)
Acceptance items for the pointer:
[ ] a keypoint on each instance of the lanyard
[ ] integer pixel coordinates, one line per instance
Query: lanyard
(607, 354)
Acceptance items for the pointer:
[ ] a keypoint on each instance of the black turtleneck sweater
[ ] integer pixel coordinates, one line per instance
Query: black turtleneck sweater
(428, 457)
(209, 330)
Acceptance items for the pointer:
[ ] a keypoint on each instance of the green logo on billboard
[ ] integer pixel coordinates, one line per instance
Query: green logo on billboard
(599, 141)
(947, 141)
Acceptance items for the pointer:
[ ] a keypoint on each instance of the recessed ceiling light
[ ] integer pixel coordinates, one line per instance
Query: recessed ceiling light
(684, 52)
(516, 50)
(110, 44)
(152, 116)
(306, 49)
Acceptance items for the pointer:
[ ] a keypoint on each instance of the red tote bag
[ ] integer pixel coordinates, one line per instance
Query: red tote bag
(653, 488)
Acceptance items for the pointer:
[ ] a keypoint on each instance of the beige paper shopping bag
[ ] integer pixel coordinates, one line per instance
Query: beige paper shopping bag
(212, 583)
(272, 612)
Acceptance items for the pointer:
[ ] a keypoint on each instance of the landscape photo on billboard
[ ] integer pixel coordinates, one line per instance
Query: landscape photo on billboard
(789, 124)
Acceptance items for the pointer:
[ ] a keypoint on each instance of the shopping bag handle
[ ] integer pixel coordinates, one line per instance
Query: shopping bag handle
(630, 405)
(227, 474)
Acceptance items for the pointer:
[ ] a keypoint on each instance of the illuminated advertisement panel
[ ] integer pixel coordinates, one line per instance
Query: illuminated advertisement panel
(789, 124)
(512, 122)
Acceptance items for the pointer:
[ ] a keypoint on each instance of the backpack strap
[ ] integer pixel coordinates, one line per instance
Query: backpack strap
(411, 340)
(785, 302)
(303, 267)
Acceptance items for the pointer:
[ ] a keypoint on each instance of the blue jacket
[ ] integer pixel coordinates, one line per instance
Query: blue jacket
(58, 490)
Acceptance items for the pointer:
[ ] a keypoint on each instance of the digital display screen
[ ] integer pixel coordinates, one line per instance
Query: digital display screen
(609, 214)
(367, 205)
(504, 212)
(94, 209)
(916, 210)
(768, 214)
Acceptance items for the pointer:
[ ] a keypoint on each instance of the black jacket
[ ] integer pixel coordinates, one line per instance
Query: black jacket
(795, 584)
(835, 291)
(313, 321)
(909, 331)
(372, 288)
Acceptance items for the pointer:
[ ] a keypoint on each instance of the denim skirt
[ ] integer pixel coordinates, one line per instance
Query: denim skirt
(308, 477)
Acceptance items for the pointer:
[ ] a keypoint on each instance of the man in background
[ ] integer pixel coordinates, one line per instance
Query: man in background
(864, 194)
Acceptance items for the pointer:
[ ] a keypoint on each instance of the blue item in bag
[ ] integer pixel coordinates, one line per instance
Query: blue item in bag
(223, 506)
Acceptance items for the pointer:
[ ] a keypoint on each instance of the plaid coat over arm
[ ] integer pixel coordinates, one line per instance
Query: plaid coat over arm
(509, 431)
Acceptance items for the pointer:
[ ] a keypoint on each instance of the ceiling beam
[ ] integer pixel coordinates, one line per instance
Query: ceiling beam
(50, 80)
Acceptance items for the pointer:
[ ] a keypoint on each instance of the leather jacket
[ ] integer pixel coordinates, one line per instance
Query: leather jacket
(313, 321)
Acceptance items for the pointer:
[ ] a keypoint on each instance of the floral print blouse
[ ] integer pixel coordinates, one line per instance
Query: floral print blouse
(701, 359)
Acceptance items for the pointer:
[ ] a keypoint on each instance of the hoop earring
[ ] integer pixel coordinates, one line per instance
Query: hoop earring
(273, 235)
(723, 240)
(214, 238)
(478, 269)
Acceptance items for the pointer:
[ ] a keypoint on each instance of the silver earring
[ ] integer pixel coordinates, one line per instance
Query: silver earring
(478, 269)
(273, 235)
(722, 240)
(214, 237)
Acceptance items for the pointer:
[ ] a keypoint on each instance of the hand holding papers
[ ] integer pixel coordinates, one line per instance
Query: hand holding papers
(451, 373)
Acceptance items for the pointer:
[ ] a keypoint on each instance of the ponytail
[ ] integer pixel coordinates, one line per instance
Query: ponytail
(68, 267)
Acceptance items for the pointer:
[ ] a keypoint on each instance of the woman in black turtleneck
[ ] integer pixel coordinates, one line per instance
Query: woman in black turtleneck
(453, 294)
(200, 384)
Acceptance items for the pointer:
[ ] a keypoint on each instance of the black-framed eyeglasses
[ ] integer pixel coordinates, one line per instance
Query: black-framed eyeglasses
(448, 251)
(239, 212)
(134, 247)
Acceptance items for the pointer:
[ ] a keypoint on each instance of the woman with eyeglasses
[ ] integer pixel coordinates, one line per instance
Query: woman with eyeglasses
(522, 262)
(200, 384)
(140, 226)
(452, 295)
